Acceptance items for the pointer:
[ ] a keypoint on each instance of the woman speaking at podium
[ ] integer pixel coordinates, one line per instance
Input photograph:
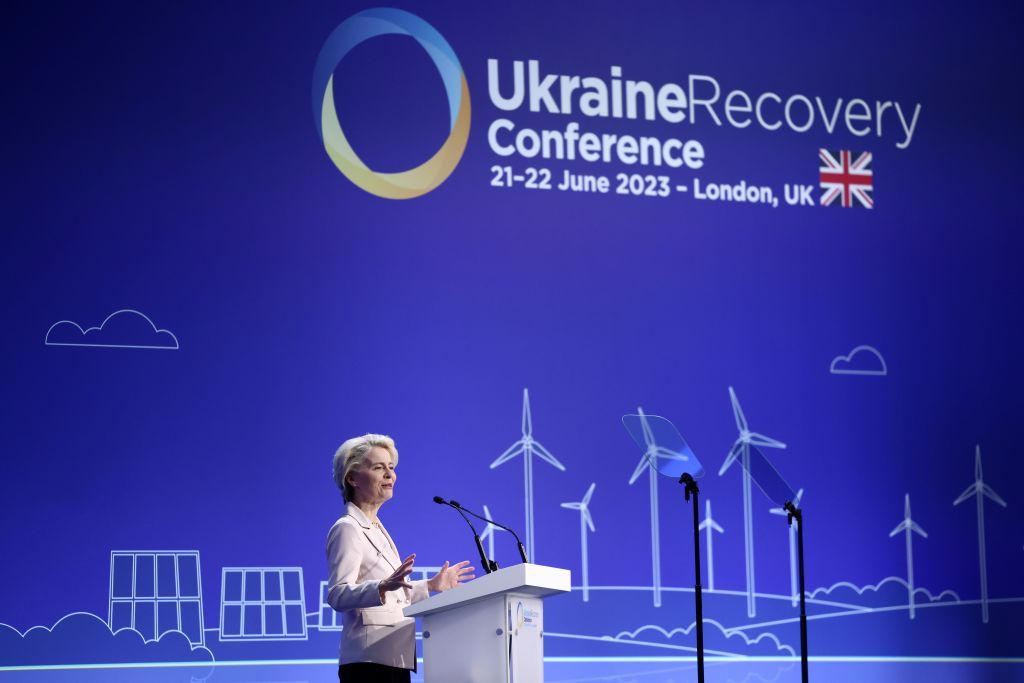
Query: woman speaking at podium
(367, 581)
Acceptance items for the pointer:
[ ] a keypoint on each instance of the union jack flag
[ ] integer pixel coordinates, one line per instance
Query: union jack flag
(846, 178)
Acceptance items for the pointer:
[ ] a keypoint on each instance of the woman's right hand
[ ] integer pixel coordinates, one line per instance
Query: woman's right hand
(398, 578)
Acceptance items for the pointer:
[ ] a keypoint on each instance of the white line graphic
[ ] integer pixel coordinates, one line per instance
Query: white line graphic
(585, 521)
(870, 362)
(488, 534)
(528, 447)
(711, 525)
(909, 526)
(980, 490)
(792, 546)
(156, 338)
(741, 449)
(647, 461)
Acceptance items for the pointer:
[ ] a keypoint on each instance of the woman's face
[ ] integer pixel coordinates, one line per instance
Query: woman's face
(374, 480)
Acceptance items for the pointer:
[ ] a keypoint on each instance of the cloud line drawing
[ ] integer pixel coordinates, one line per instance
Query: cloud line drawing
(863, 360)
(84, 638)
(123, 329)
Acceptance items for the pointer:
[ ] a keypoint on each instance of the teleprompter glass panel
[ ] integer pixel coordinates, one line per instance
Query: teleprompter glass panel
(253, 587)
(663, 446)
(767, 477)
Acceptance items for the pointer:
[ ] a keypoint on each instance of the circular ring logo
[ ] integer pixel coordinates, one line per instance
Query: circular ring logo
(431, 173)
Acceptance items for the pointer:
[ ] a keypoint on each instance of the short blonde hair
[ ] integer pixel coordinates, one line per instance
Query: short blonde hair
(350, 455)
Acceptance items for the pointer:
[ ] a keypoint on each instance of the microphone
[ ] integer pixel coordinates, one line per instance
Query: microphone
(522, 548)
(476, 537)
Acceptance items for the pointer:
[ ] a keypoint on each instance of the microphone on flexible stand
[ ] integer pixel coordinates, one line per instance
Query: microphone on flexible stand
(476, 537)
(522, 548)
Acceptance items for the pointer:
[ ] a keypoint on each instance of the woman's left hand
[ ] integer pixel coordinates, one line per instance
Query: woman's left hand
(450, 577)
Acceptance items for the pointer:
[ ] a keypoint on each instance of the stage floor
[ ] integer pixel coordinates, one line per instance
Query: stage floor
(612, 671)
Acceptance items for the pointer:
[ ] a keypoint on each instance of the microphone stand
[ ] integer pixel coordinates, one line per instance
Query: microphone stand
(793, 512)
(522, 548)
(691, 488)
(476, 537)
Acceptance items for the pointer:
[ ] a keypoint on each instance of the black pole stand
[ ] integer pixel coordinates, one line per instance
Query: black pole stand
(691, 488)
(793, 512)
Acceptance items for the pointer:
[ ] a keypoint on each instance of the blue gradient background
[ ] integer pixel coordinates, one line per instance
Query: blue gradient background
(162, 157)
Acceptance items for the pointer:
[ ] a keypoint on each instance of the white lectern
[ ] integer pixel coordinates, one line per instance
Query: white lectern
(490, 630)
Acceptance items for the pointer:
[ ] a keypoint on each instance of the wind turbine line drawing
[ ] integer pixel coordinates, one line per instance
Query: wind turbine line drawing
(792, 547)
(488, 534)
(586, 520)
(741, 450)
(528, 447)
(711, 525)
(647, 461)
(980, 490)
(910, 527)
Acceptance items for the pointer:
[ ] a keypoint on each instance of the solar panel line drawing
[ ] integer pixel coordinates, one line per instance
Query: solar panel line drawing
(648, 461)
(263, 603)
(909, 527)
(328, 619)
(709, 524)
(980, 490)
(488, 534)
(528, 447)
(155, 592)
(792, 546)
(741, 450)
(586, 521)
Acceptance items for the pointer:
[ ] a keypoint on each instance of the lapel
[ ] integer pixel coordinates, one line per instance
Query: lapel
(386, 552)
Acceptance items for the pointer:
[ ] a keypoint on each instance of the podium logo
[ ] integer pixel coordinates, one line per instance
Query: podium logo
(356, 29)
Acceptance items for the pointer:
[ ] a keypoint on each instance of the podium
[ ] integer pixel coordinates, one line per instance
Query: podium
(490, 630)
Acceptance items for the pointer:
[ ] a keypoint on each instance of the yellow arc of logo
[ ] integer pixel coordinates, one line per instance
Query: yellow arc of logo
(404, 184)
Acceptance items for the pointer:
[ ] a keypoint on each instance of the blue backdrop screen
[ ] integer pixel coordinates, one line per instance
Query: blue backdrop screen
(631, 206)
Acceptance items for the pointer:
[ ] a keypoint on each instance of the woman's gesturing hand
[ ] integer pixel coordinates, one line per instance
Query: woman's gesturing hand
(397, 579)
(450, 577)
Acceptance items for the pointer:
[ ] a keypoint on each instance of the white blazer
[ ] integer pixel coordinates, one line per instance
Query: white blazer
(359, 557)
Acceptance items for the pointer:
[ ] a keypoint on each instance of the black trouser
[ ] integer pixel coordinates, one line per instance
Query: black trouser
(368, 672)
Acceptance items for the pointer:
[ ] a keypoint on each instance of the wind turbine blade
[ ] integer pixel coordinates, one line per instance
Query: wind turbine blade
(513, 450)
(487, 513)
(918, 530)
(487, 532)
(779, 511)
(734, 453)
(971, 490)
(766, 441)
(987, 491)
(527, 417)
(714, 525)
(669, 454)
(645, 427)
(737, 412)
(546, 456)
(572, 506)
(799, 496)
(589, 493)
(902, 526)
(589, 520)
(641, 466)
